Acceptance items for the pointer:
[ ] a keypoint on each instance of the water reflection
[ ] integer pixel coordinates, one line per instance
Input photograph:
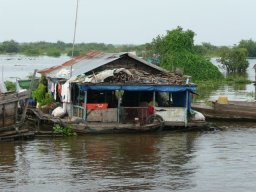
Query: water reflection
(100, 163)
(7, 163)
(202, 161)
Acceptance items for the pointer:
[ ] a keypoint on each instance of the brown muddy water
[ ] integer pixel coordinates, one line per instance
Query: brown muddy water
(166, 161)
(220, 161)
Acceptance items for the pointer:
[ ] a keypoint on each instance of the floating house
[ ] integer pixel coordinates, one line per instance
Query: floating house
(121, 90)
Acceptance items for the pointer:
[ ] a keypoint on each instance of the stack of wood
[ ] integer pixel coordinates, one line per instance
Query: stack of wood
(142, 77)
(120, 77)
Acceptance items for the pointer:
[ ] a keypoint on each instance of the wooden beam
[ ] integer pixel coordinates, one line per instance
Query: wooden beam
(30, 92)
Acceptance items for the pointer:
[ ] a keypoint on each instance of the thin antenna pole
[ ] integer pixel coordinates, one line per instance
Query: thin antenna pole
(74, 37)
(2, 72)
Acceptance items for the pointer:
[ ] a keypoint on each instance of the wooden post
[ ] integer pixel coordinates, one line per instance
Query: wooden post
(254, 67)
(154, 99)
(186, 111)
(30, 92)
(254, 82)
(3, 115)
(118, 109)
(85, 102)
(169, 99)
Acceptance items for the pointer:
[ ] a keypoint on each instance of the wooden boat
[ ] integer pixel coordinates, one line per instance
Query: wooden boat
(13, 108)
(232, 110)
(9, 103)
(25, 83)
(43, 123)
(12, 115)
(116, 127)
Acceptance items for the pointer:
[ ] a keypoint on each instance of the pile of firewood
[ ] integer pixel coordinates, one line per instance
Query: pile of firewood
(139, 76)
(120, 77)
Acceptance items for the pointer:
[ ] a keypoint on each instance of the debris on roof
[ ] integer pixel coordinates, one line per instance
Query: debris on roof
(131, 76)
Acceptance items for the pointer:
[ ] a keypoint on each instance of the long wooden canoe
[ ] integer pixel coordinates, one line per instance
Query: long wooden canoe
(233, 110)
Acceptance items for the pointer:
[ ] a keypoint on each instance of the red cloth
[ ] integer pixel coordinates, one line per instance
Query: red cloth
(150, 110)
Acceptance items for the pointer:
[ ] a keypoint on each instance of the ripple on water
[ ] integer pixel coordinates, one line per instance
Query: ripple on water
(220, 161)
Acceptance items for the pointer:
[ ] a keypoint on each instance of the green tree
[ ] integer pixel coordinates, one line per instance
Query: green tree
(250, 45)
(234, 60)
(40, 94)
(53, 52)
(206, 49)
(10, 86)
(10, 46)
(176, 50)
(29, 50)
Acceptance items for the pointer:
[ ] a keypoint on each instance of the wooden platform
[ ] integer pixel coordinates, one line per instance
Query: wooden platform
(11, 136)
(84, 128)
(40, 120)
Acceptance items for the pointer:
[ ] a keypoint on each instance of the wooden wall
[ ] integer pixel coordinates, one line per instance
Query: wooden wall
(8, 113)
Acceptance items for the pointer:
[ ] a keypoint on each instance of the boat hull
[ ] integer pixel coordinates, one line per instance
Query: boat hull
(234, 110)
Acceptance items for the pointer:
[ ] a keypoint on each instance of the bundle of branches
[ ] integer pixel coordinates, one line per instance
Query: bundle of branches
(120, 77)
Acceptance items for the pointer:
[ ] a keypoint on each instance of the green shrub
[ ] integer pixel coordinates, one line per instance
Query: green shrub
(10, 86)
(41, 96)
(66, 131)
(53, 52)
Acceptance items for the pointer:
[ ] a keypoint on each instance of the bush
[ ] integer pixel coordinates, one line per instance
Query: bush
(41, 96)
(53, 52)
(10, 86)
(66, 131)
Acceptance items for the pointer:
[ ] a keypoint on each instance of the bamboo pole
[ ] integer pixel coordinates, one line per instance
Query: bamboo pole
(30, 92)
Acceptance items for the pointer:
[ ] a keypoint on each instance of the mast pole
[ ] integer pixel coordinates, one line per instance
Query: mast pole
(74, 37)
(3, 73)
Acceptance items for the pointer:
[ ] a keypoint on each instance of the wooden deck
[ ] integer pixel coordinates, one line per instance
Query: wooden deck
(115, 128)
(42, 121)
(17, 135)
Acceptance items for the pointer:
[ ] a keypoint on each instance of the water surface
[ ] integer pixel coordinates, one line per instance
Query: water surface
(193, 161)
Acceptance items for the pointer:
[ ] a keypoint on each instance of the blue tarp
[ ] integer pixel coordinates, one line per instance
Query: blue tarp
(178, 91)
(160, 88)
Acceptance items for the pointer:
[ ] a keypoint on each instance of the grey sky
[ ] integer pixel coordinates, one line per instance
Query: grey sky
(220, 22)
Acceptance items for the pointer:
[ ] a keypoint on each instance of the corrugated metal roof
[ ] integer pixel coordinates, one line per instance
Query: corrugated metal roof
(88, 62)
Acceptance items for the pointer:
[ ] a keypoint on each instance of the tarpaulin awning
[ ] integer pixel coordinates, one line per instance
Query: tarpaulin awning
(161, 88)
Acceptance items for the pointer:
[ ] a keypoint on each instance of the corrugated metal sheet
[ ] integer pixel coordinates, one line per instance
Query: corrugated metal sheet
(80, 64)
(88, 62)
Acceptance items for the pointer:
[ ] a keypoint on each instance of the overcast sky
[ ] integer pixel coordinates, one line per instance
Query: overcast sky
(220, 22)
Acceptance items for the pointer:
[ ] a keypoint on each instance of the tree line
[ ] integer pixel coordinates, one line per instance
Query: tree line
(59, 48)
(174, 51)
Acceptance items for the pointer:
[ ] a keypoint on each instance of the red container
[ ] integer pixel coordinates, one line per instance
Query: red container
(97, 105)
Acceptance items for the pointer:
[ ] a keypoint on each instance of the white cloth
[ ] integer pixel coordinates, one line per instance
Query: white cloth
(198, 116)
(58, 112)
(2, 88)
(65, 93)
